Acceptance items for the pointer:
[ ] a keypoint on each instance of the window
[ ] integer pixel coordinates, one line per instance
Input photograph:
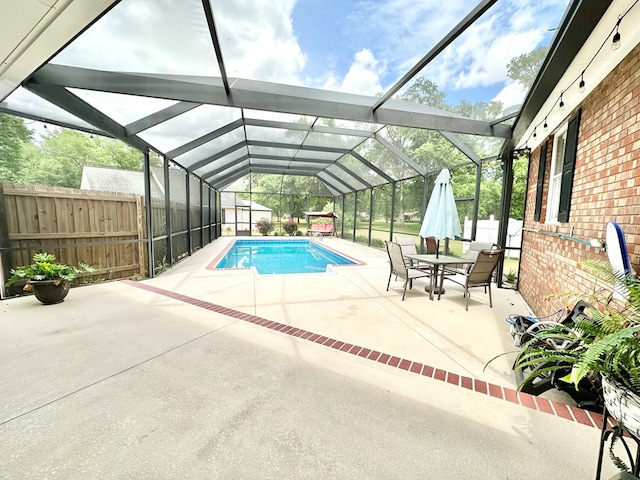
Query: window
(563, 160)
(540, 184)
(555, 177)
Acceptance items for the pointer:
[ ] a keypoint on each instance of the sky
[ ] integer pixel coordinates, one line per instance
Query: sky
(354, 46)
(365, 46)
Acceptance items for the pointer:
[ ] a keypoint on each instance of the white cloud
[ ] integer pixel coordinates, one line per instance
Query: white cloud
(363, 76)
(258, 40)
(512, 94)
(478, 58)
(403, 31)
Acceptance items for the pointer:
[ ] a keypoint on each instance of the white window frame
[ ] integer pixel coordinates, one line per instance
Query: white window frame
(555, 174)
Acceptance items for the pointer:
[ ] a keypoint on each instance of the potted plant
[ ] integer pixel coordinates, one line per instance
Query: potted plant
(604, 343)
(49, 281)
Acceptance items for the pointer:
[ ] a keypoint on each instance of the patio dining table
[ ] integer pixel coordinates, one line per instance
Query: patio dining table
(438, 263)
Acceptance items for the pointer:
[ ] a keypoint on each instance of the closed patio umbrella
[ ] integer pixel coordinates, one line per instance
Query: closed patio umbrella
(441, 217)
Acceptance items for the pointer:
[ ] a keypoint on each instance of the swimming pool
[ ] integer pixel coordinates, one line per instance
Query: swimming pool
(281, 256)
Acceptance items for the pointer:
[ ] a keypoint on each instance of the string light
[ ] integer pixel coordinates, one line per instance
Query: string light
(615, 43)
(616, 38)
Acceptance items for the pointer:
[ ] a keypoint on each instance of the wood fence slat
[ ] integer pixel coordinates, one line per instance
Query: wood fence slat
(75, 235)
(141, 229)
(38, 216)
(64, 193)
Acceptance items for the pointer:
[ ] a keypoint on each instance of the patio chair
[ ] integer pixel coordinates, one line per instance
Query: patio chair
(480, 273)
(431, 244)
(400, 269)
(472, 254)
(408, 246)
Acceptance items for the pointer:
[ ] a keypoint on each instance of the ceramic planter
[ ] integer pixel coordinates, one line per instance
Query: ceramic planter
(50, 292)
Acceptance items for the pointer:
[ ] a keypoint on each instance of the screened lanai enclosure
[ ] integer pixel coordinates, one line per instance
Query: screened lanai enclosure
(244, 110)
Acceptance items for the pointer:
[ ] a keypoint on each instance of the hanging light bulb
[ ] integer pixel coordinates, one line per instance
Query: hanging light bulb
(615, 44)
(534, 133)
(545, 126)
(561, 105)
(581, 84)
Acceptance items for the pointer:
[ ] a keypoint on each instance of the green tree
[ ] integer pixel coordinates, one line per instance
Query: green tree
(59, 160)
(518, 195)
(524, 68)
(14, 135)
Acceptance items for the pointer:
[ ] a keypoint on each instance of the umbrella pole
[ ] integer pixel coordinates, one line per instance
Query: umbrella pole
(437, 248)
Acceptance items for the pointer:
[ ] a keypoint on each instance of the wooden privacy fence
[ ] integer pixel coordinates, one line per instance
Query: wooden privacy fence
(102, 229)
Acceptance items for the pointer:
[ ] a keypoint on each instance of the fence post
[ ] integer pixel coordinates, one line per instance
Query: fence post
(5, 256)
(140, 228)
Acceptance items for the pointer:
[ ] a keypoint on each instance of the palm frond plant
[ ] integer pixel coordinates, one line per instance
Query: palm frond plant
(601, 347)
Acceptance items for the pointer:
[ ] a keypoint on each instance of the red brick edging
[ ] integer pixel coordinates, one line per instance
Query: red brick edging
(567, 412)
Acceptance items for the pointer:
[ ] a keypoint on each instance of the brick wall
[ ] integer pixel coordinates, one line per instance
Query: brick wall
(606, 187)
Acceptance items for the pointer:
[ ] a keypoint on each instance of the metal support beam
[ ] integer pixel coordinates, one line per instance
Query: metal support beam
(308, 128)
(267, 96)
(393, 209)
(476, 203)
(372, 167)
(463, 147)
(208, 12)
(188, 202)
(420, 170)
(167, 211)
(370, 214)
(158, 117)
(357, 177)
(505, 209)
(347, 188)
(66, 100)
(50, 121)
(204, 139)
(146, 166)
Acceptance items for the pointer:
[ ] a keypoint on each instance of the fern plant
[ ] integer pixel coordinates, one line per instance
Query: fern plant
(606, 340)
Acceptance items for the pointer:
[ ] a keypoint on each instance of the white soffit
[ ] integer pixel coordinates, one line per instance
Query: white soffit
(34, 30)
(596, 71)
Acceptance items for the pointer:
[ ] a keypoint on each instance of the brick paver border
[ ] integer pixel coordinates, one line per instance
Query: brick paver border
(558, 409)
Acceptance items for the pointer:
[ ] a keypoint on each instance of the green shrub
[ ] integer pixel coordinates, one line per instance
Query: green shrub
(362, 239)
(290, 227)
(265, 226)
(377, 243)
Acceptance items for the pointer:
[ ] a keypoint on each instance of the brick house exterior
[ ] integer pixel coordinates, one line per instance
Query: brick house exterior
(606, 186)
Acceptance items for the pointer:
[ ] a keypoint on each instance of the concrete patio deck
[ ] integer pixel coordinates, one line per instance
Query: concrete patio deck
(223, 374)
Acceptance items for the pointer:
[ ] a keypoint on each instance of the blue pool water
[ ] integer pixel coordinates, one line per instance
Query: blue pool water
(281, 256)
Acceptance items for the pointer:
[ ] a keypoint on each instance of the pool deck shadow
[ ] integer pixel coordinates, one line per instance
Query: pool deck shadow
(225, 374)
